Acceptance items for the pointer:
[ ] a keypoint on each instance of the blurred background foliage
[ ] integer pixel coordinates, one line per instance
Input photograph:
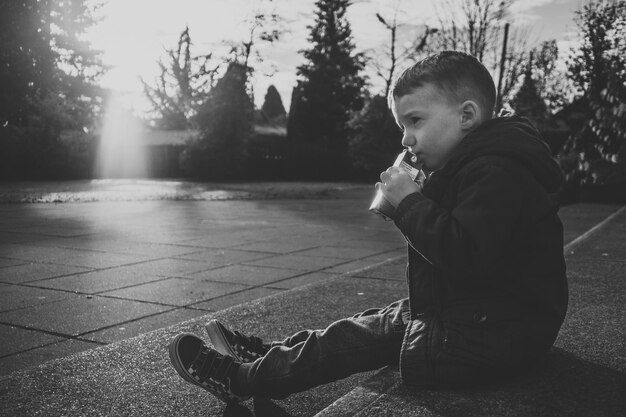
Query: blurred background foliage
(338, 126)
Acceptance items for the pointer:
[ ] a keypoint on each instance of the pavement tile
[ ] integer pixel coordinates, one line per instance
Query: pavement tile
(79, 314)
(75, 257)
(38, 356)
(395, 270)
(44, 229)
(302, 280)
(364, 263)
(96, 243)
(167, 267)
(15, 297)
(176, 291)
(14, 340)
(611, 247)
(143, 325)
(345, 252)
(244, 274)
(221, 257)
(222, 240)
(34, 271)
(230, 300)
(298, 262)
(4, 262)
(100, 281)
(282, 246)
(16, 237)
(578, 218)
(371, 243)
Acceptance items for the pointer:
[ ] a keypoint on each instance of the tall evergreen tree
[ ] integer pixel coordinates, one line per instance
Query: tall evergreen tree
(26, 59)
(225, 123)
(80, 66)
(330, 84)
(273, 109)
(48, 78)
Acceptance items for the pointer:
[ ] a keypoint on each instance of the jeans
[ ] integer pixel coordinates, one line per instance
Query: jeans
(367, 341)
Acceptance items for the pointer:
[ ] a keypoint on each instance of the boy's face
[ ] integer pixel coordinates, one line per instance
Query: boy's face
(431, 125)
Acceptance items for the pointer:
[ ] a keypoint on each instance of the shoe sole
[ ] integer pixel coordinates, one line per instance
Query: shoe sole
(219, 340)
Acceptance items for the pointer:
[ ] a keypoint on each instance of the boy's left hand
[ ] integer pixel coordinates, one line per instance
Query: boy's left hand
(396, 184)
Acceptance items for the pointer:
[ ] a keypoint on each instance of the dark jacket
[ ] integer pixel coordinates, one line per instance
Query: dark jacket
(486, 272)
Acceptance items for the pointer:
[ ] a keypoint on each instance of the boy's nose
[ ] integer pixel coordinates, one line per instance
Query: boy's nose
(408, 140)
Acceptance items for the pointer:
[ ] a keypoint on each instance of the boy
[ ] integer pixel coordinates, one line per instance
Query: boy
(486, 272)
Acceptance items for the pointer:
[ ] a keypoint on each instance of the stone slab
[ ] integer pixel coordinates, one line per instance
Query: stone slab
(14, 297)
(176, 291)
(34, 271)
(245, 274)
(79, 314)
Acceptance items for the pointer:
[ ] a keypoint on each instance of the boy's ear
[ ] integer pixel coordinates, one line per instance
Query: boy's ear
(470, 114)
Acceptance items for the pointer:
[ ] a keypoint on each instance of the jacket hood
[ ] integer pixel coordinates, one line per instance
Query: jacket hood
(512, 137)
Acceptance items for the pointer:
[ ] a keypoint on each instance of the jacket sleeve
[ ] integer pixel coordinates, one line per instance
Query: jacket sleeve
(476, 232)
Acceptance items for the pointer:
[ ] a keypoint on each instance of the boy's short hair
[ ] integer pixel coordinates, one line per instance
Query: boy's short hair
(459, 75)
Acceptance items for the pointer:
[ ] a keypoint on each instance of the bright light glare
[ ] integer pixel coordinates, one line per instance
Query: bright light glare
(121, 153)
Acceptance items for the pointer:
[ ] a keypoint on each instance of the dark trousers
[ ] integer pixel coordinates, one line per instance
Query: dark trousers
(364, 342)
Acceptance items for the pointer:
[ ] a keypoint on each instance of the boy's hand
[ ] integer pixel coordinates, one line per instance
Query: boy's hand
(396, 184)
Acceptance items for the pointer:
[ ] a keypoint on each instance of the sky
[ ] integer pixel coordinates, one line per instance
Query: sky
(133, 34)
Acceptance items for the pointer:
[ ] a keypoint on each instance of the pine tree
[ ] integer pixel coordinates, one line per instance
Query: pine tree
(26, 60)
(80, 65)
(225, 123)
(48, 82)
(329, 88)
(273, 109)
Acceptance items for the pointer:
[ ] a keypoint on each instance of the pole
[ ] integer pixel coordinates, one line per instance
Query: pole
(502, 62)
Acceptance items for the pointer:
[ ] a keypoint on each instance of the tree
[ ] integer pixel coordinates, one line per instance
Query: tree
(26, 60)
(225, 123)
(476, 27)
(528, 101)
(273, 109)
(265, 26)
(552, 83)
(375, 138)
(391, 59)
(329, 90)
(80, 66)
(48, 78)
(598, 68)
(182, 86)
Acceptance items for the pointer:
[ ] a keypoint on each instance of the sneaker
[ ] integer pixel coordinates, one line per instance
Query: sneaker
(244, 348)
(200, 365)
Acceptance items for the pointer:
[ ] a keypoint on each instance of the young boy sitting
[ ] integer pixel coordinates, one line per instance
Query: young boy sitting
(486, 273)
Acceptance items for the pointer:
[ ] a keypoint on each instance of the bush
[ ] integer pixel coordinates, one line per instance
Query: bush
(35, 154)
(375, 139)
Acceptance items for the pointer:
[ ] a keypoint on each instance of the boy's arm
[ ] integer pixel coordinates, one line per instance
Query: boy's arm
(476, 232)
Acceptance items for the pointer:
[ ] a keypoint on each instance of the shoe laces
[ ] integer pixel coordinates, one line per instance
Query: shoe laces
(251, 342)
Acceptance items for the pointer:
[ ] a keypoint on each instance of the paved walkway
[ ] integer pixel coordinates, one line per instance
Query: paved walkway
(74, 276)
(583, 376)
